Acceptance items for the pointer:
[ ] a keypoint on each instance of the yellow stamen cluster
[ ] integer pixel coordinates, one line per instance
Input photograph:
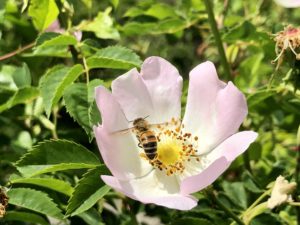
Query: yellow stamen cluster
(174, 148)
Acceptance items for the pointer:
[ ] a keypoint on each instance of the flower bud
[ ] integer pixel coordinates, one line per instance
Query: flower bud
(289, 38)
(281, 192)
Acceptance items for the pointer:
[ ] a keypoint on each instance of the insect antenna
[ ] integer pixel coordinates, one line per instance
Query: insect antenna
(130, 121)
(146, 117)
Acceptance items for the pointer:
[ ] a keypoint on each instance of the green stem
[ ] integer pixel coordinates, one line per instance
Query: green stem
(260, 198)
(130, 211)
(294, 203)
(297, 171)
(215, 31)
(86, 68)
(215, 199)
(54, 133)
(133, 219)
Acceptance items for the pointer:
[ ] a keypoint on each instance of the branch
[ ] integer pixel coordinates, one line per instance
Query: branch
(11, 54)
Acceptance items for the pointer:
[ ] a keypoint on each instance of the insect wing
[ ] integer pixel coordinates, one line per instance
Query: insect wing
(124, 131)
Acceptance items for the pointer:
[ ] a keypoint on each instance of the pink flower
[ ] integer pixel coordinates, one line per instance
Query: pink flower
(55, 27)
(288, 3)
(190, 155)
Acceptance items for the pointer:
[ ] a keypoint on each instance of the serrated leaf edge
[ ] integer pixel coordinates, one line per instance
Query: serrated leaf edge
(62, 82)
(122, 61)
(35, 148)
(46, 196)
(86, 174)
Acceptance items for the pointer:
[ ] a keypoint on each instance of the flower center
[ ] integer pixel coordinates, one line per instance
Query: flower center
(168, 151)
(174, 148)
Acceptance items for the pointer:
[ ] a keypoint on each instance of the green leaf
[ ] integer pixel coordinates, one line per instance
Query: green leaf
(94, 114)
(170, 26)
(102, 26)
(115, 57)
(53, 44)
(136, 28)
(254, 212)
(34, 170)
(88, 191)
(192, 221)
(236, 192)
(22, 76)
(209, 213)
(134, 12)
(253, 71)
(245, 31)
(160, 11)
(232, 52)
(43, 13)
(25, 217)
(25, 4)
(79, 100)
(92, 200)
(270, 218)
(91, 217)
(59, 40)
(34, 200)
(115, 3)
(88, 3)
(23, 95)
(56, 155)
(51, 183)
(54, 82)
(6, 78)
(250, 184)
(259, 96)
(46, 36)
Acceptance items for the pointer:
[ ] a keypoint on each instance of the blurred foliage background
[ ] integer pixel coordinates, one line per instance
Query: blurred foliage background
(54, 52)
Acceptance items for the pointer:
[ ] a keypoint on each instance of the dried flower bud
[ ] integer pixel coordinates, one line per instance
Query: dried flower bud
(3, 202)
(281, 192)
(289, 38)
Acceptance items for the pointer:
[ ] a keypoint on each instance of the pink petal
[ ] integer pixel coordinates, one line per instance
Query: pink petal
(112, 116)
(288, 3)
(203, 88)
(120, 154)
(133, 96)
(154, 94)
(175, 200)
(164, 85)
(206, 177)
(221, 157)
(233, 146)
(230, 111)
(78, 35)
(214, 110)
(55, 27)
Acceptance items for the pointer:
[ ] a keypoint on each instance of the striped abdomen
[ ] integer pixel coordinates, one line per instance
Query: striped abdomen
(149, 143)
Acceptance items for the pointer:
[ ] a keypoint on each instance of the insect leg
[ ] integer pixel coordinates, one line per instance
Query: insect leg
(139, 144)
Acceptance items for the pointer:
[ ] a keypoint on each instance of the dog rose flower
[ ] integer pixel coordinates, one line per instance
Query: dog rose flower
(190, 154)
